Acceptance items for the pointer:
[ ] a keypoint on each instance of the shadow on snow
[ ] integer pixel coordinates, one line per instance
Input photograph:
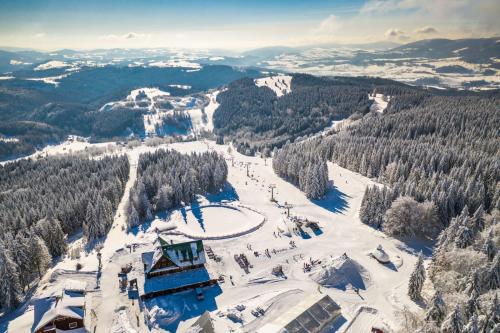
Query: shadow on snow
(172, 309)
(334, 201)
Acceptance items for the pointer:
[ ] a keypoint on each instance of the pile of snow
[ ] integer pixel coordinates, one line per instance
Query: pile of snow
(122, 323)
(280, 84)
(340, 273)
(381, 255)
(51, 64)
(379, 102)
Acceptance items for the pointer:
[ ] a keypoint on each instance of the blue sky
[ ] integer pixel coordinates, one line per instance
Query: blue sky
(237, 24)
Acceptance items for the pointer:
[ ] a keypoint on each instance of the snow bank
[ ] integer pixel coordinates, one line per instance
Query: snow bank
(340, 273)
(281, 84)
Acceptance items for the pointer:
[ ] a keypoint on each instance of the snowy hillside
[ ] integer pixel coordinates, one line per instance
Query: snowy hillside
(165, 114)
(280, 84)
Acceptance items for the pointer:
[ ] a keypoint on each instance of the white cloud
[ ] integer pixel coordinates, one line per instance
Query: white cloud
(39, 35)
(396, 34)
(127, 36)
(426, 30)
(329, 25)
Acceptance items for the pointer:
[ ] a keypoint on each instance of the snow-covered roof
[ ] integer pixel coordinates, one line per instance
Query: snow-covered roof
(310, 315)
(65, 305)
(180, 254)
(52, 308)
(75, 285)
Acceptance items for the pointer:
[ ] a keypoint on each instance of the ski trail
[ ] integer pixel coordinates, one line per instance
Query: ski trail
(118, 232)
(117, 237)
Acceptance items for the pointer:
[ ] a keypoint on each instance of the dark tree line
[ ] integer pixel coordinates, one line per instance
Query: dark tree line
(43, 201)
(255, 118)
(166, 179)
(302, 167)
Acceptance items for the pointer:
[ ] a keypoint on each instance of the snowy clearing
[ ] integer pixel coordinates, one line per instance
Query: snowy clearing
(175, 63)
(50, 79)
(280, 84)
(380, 102)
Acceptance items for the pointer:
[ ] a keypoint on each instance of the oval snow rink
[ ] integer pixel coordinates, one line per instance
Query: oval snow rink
(217, 221)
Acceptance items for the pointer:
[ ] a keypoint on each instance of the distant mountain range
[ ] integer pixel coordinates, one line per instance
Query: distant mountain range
(462, 63)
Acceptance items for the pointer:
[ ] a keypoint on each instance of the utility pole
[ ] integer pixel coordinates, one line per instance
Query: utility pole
(287, 207)
(248, 164)
(272, 187)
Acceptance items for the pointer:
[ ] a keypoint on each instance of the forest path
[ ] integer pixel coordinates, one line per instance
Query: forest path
(117, 238)
(117, 235)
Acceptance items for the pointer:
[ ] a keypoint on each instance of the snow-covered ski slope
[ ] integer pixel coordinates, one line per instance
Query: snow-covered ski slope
(280, 84)
(153, 102)
(231, 304)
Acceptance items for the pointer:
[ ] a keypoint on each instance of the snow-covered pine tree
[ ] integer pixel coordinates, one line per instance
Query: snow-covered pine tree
(478, 219)
(473, 285)
(49, 229)
(492, 275)
(90, 231)
(454, 323)
(417, 279)
(41, 256)
(473, 325)
(437, 310)
(489, 247)
(23, 258)
(133, 218)
(492, 320)
(464, 237)
(163, 201)
(471, 306)
(9, 286)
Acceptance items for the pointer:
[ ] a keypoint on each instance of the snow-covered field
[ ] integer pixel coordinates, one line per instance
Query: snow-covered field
(280, 84)
(231, 303)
